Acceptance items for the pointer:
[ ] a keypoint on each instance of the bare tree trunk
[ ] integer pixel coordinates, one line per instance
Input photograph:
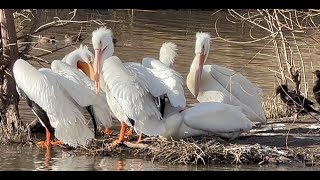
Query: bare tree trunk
(11, 127)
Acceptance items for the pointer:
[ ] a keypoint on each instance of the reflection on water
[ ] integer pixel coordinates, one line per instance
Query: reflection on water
(30, 158)
(140, 34)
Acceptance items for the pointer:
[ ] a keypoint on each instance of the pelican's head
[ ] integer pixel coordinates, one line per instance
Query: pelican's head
(103, 48)
(201, 50)
(317, 73)
(85, 60)
(85, 55)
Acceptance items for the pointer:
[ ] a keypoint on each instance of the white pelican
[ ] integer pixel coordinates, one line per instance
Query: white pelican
(160, 79)
(82, 89)
(144, 84)
(167, 56)
(165, 63)
(208, 118)
(52, 104)
(219, 84)
(129, 99)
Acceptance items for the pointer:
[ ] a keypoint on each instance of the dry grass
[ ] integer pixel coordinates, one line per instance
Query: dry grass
(275, 109)
(310, 156)
(200, 150)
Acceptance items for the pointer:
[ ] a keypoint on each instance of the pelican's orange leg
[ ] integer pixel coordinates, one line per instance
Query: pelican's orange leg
(48, 138)
(47, 144)
(55, 143)
(121, 136)
(139, 139)
(129, 132)
(107, 131)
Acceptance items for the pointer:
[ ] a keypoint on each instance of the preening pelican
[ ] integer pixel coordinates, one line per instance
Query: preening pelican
(80, 87)
(167, 55)
(173, 79)
(52, 104)
(208, 118)
(136, 80)
(213, 83)
(161, 83)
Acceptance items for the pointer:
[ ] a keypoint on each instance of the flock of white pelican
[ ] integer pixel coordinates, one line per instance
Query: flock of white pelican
(148, 97)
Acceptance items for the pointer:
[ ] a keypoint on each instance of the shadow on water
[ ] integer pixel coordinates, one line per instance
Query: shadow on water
(140, 34)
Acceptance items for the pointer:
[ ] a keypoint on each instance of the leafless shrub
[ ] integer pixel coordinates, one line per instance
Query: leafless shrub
(288, 31)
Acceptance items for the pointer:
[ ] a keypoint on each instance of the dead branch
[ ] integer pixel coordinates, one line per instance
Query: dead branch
(282, 27)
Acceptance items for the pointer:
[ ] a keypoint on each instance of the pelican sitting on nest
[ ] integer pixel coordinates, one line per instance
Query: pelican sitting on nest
(208, 118)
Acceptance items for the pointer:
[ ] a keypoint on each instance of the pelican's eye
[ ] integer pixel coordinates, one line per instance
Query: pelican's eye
(104, 48)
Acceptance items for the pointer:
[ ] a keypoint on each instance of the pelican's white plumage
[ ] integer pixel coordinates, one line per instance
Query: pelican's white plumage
(81, 53)
(43, 87)
(161, 79)
(82, 90)
(209, 118)
(128, 98)
(219, 84)
(167, 55)
(80, 87)
(103, 37)
(154, 74)
(160, 82)
(148, 83)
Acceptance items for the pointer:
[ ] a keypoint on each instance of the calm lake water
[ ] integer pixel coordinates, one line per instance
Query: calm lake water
(140, 34)
(31, 158)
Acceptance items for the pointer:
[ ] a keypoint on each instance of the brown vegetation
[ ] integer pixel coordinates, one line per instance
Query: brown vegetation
(249, 149)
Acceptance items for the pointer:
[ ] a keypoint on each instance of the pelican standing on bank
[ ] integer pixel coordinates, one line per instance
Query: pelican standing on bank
(52, 104)
(213, 83)
(129, 101)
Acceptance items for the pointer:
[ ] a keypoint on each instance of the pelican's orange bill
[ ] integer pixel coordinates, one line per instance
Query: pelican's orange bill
(87, 69)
